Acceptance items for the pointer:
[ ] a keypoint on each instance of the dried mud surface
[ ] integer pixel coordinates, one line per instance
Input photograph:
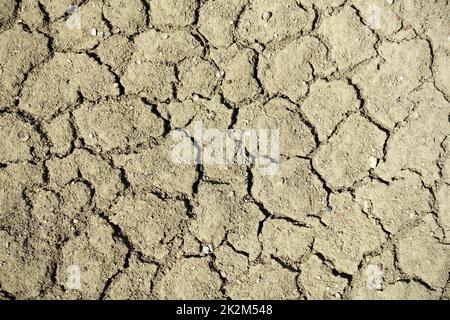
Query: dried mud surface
(86, 179)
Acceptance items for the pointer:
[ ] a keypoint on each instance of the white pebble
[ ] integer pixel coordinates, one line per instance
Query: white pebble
(266, 16)
(207, 249)
(373, 162)
(24, 136)
(93, 32)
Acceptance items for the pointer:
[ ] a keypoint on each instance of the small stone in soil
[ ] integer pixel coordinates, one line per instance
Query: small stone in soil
(24, 136)
(266, 16)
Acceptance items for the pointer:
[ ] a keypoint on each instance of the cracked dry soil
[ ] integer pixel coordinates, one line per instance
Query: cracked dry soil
(91, 89)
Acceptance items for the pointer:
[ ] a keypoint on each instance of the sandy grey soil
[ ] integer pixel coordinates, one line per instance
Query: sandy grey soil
(90, 91)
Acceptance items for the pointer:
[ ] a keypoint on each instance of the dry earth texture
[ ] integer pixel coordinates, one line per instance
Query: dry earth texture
(91, 89)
